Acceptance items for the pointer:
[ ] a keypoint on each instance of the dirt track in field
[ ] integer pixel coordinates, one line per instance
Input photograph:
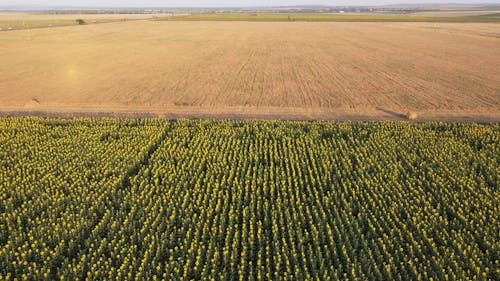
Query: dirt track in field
(285, 70)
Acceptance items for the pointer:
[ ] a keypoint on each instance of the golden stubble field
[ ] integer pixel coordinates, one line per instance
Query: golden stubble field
(255, 69)
(22, 20)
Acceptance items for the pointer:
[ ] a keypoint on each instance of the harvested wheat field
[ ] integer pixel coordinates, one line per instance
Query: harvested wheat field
(290, 70)
(25, 20)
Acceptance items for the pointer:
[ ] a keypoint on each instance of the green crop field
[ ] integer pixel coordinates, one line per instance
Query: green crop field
(319, 17)
(150, 199)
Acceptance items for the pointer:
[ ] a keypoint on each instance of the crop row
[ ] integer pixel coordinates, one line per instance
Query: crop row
(248, 200)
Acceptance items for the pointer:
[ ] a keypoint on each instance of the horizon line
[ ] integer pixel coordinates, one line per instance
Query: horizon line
(238, 6)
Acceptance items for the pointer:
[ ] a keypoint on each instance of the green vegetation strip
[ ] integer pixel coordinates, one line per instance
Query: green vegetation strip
(126, 199)
(283, 17)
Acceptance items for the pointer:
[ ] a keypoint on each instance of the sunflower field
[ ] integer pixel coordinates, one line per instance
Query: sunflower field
(151, 199)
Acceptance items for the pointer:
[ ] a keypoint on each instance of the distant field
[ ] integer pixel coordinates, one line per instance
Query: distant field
(455, 13)
(481, 17)
(9, 21)
(300, 70)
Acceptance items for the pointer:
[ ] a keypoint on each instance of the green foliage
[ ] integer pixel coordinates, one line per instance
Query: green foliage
(248, 200)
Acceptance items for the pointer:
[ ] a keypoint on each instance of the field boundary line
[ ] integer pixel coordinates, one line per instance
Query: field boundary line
(291, 115)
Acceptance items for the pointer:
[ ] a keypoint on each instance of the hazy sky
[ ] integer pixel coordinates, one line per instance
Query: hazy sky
(213, 3)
